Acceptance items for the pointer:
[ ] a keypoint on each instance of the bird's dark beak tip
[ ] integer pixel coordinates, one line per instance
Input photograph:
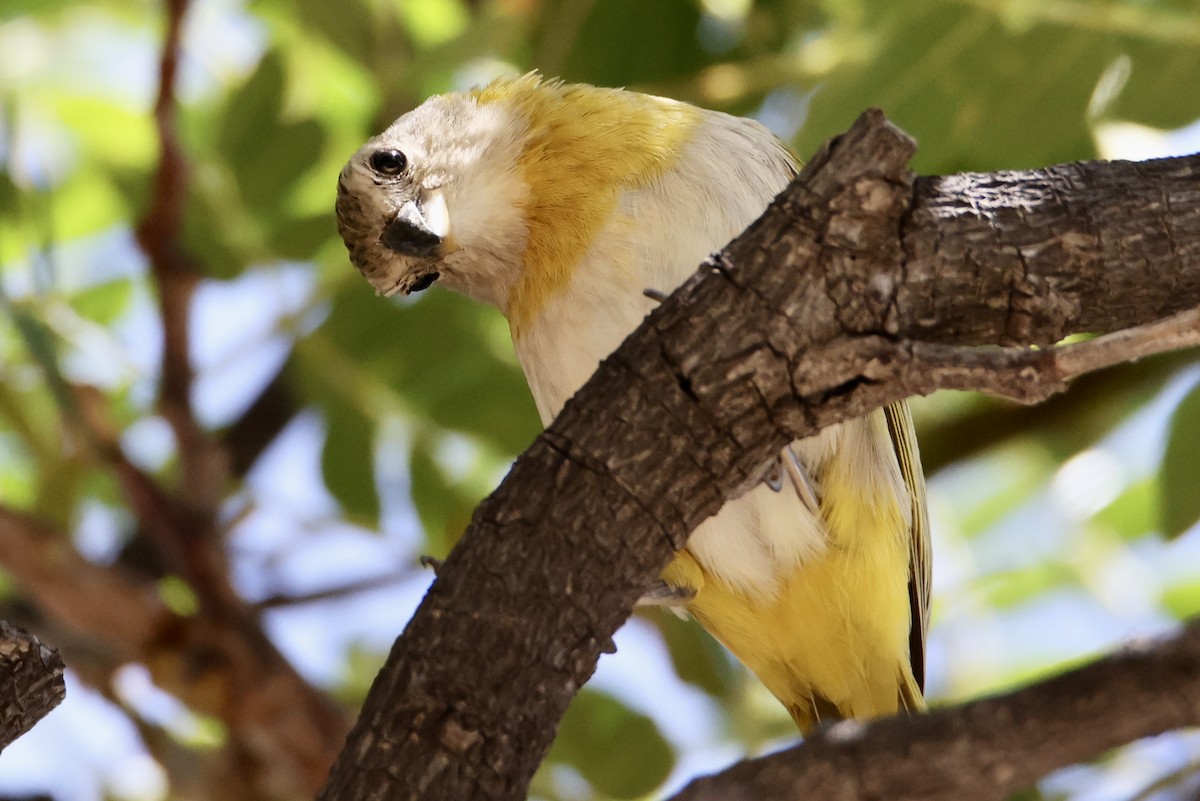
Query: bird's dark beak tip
(409, 238)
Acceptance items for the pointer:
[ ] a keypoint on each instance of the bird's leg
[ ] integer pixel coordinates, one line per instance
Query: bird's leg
(656, 295)
(788, 463)
(661, 593)
(774, 476)
(800, 480)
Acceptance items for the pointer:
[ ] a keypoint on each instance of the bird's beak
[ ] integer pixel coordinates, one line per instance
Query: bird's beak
(417, 229)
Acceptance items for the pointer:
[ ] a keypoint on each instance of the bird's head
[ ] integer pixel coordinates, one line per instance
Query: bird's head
(436, 197)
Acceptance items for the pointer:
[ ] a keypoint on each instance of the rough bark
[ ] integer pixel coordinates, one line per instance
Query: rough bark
(31, 682)
(859, 286)
(986, 749)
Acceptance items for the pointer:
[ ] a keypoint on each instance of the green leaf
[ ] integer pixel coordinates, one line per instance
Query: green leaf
(975, 86)
(86, 203)
(348, 460)
(1012, 588)
(432, 22)
(618, 751)
(443, 508)
(1182, 600)
(358, 673)
(299, 238)
(209, 239)
(10, 195)
(662, 33)
(104, 303)
(1134, 513)
(346, 25)
(439, 354)
(112, 133)
(269, 165)
(253, 108)
(1179, 475)
(1009, 481)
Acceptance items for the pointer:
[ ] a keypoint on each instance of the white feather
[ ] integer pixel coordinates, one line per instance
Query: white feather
(658, 237)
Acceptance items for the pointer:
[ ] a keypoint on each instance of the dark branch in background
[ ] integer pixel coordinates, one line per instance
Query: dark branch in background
(31, 682)
(859, 286)
(187, 546)
(985, 750)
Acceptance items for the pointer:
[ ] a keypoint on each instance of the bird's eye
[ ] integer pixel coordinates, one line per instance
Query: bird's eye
(388, 162)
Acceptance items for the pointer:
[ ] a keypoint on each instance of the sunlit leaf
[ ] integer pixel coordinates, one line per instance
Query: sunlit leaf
(1012, 588)
(86, 203)
(1182, 600)
(975, 91)
(434, 21)
(1134, 513)
(114, 133)
(1023, 476)
(104, 303)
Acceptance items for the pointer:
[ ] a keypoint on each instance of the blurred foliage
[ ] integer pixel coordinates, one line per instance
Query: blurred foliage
(1039, 561)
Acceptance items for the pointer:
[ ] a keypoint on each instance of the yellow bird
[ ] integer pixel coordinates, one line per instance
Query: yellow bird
(559, 204)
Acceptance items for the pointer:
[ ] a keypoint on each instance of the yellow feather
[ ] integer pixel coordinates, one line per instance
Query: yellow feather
(833, 641)
(585, 146)
(829, 633)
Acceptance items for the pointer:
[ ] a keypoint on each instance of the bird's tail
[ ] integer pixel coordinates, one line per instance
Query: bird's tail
(912, 700)
(815, 710)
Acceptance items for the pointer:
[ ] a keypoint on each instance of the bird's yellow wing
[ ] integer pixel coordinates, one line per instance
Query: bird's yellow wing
(904, 442)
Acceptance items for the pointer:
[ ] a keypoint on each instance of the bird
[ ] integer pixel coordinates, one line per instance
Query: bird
(560, 204)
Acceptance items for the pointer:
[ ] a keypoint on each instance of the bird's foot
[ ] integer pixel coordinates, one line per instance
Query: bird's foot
(663, 594)
(789, 464)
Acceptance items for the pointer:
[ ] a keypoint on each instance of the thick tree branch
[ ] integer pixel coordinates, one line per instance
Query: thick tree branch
(986, 749)
(858, 287)
(31, 682)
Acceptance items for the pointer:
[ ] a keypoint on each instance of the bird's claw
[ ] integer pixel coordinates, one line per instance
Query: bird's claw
(663, 594)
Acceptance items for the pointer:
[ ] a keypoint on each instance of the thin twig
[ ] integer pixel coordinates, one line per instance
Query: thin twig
(331, 593)
(176, 276)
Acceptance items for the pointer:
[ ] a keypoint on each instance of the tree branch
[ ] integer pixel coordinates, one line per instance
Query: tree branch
(857, 287)
(176, 276)
(31, 684)
(986, 749)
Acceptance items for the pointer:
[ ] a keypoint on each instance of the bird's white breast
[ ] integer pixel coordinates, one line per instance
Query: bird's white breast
(659, 235)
